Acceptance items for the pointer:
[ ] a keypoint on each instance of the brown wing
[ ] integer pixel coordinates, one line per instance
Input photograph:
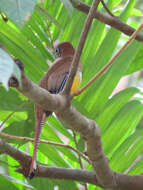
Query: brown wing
(57, 81)
(53, 79)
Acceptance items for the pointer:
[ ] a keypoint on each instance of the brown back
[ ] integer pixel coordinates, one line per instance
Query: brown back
(55, 75)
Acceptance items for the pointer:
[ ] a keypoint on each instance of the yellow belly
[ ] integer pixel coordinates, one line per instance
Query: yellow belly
(76, 82)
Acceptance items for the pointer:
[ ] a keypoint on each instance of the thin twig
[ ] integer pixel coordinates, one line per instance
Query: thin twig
(106, 8)
(46, 142)
(78, 92)
(12, 113)
(78, 52)
(79, 157)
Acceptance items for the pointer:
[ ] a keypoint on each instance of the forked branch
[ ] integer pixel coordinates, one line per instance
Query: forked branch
(106, 8)
(107, 19)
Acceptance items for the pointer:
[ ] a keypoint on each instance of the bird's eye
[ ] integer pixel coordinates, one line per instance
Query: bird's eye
(57, 51)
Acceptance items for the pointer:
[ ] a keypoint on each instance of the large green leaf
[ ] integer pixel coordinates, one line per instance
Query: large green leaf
(49, 133)
(114, 105)
(137, 169)
(40, 183)
(11, 100)
(17, 10)
(21, 124)
(53, 155)
(58, 125)
(6, 184)
(37, 34)
(128, 152)
(109, 80)
(16, 43)
(137, 63)
(102, 56)
(122, 125)
(19, 182)
(68, 5)
(66, 184)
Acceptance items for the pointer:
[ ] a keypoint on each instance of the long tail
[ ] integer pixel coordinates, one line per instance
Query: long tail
(39, 123)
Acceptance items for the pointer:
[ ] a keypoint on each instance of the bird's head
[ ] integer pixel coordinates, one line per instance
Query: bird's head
(64, 49)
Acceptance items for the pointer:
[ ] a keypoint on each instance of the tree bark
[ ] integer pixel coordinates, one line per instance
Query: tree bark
(107, 19)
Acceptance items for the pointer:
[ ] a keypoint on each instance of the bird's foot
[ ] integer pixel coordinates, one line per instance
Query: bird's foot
(32, 174)
(32, 171)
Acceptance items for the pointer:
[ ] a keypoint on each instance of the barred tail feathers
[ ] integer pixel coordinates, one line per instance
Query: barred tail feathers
(39, 125)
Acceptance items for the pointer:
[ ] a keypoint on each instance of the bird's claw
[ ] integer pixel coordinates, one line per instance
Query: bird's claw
(32, 174)
(32, 171)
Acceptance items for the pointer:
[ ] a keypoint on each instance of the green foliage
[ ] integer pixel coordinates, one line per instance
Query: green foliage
(117, 115)
(18, 10)
(7, 184)
(68, 5)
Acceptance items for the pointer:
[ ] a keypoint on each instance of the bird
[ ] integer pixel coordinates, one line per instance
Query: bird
(54, 81)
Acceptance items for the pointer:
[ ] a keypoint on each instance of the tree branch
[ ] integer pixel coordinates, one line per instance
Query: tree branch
(86, 127)
(78, 52)
(5, 135)
(43, 171)
(39, 95)
(125, 182)
(106, 8)
(89, 131)
(107, 19)
(104, 176)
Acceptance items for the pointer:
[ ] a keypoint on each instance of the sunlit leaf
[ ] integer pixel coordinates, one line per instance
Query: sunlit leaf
(14, 180)
(68, 6)
(6, 183)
